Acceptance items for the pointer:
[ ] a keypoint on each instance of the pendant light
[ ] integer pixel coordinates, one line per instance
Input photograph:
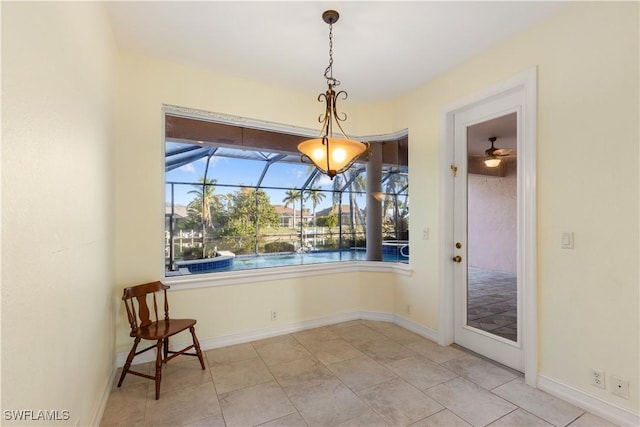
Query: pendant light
(331, 155)
(491, 160)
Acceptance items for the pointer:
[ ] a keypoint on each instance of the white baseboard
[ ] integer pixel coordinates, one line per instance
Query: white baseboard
(104, 398)
(593, 404)
(272, 331)
(415, 327)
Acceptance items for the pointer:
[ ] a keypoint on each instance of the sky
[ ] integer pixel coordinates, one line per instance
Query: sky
(232, 171)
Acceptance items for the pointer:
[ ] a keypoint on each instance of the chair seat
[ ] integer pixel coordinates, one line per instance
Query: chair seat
(140, 311)
(163, 328)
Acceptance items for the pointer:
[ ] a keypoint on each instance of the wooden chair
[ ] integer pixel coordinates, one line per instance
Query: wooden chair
(143, 327)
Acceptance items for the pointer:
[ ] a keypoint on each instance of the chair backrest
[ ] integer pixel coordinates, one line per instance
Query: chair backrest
(143, 316)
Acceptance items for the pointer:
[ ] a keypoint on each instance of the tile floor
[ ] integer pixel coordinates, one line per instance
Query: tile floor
(492, 302)
(357, 373)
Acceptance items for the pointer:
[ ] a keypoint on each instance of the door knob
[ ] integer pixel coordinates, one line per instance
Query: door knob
(457, 258)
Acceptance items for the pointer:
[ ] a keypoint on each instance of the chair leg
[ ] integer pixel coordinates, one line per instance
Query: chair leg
(196, 344)
(159, 361)
(130, 357)
(166, 349)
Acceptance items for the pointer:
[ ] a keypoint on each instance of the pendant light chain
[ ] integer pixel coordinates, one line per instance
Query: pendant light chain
(329, 154)
(331, 82)
(328, 73)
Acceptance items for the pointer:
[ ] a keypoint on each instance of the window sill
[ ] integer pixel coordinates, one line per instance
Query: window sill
(279, 273)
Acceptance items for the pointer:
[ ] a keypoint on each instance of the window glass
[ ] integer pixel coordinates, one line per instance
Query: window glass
(289, 175)
(236, 209)
(237, 171)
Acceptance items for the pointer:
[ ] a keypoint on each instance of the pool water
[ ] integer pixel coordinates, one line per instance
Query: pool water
(251, 262)
(263, 261)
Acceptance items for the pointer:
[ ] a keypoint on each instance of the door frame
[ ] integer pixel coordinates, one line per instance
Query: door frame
(527, 222)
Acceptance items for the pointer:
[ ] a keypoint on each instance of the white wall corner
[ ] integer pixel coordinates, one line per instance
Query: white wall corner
(527, 208)
(258, 334)
(376, 315)
(588, 402)
(104, 396)
(415, 327)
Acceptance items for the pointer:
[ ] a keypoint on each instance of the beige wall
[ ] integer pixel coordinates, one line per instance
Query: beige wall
(245, 309)
(492, 203)
(58, 65)
(587, 61)
(585, 99)
(145, 85)
(57, 69)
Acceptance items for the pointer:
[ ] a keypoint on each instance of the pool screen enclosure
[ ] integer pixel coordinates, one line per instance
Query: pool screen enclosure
(234, 192)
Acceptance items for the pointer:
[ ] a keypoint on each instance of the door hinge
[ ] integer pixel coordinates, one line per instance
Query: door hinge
(454, 170)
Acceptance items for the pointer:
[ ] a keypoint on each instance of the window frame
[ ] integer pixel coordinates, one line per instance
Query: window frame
(271, 273)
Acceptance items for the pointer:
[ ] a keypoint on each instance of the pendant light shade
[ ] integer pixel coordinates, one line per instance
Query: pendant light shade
(331, 155)
(492, 162)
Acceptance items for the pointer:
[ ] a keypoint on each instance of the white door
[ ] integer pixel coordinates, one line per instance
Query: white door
(488, 294)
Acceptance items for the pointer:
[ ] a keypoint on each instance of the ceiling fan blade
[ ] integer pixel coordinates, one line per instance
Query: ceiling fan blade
(502, 152)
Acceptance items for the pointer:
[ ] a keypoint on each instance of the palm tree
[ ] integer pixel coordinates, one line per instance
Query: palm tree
(292, 197)
(204, 201)
(200, 207)
(357, 186)
(336, 197)
(316, 196)
(395, 185)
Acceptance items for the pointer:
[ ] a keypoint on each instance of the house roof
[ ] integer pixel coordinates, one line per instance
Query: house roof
(280, 210)
(323, 212)
(179, 211)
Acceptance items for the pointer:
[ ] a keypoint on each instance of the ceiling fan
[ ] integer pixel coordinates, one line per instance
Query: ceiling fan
(493, 155)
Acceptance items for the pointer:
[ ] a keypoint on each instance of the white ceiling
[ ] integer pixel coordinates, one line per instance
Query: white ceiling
(381, 49)
(503, 128)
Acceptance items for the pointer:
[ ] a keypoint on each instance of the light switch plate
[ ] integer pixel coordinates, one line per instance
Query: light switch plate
(566, 240)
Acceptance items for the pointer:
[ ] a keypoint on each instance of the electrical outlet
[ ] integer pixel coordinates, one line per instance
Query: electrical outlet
(619, 387)
(274, 315)
(597, 378)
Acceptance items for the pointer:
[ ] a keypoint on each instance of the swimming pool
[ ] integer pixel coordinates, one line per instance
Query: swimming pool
(250, 262)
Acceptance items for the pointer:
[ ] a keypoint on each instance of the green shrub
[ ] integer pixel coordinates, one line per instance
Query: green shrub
(272, 247)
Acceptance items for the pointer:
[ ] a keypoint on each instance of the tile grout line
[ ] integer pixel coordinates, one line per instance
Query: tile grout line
(215, 389)
(399, 342)
(342, 382)
(278, 382)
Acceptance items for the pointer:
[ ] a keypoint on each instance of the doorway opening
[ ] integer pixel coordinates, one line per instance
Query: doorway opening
(519, 351)
(492, 235)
